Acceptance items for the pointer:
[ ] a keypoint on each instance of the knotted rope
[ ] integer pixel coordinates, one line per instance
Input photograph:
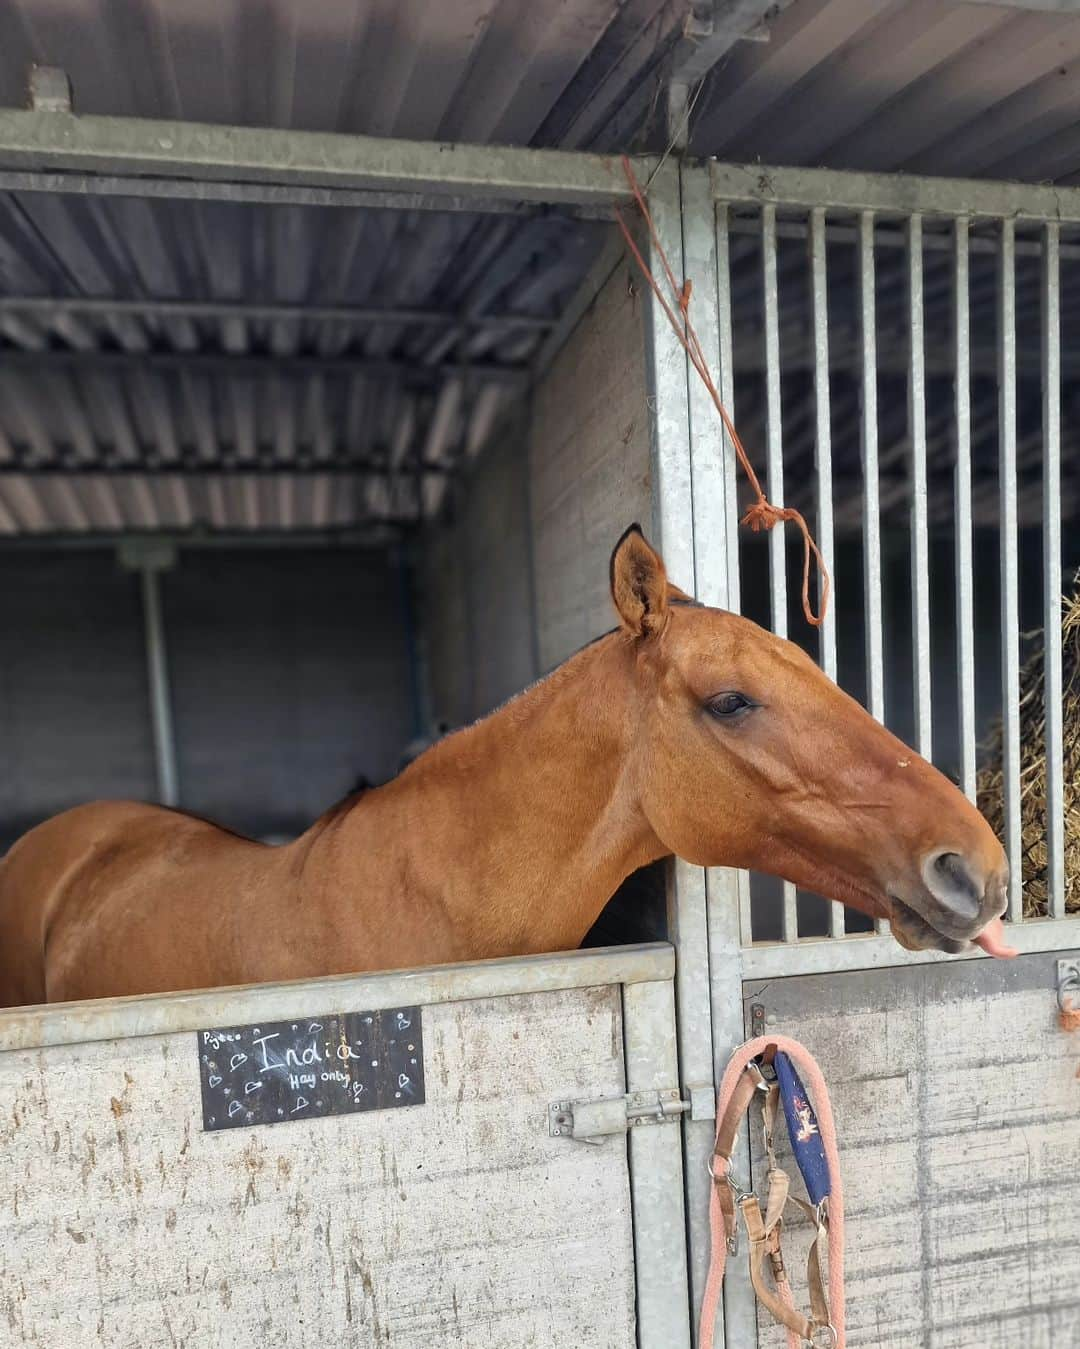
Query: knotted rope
(762, 515)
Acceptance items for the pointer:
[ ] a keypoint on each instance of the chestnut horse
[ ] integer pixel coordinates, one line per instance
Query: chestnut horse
(686, 730)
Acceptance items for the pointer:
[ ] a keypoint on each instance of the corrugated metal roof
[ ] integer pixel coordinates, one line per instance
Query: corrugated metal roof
(270, 392)
(922, 86)
(274, 399)
(377, 340)
(499, 71)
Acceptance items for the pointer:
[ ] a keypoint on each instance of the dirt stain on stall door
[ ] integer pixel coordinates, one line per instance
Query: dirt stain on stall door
(120, 1107)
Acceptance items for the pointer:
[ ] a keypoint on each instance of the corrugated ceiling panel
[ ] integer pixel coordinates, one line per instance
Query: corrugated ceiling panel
(923, 86)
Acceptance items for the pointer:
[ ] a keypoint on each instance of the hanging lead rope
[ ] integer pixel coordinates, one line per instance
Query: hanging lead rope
(762, 514)
(813, 1138)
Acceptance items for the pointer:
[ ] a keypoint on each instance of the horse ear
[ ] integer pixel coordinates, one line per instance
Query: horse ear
(639, 584)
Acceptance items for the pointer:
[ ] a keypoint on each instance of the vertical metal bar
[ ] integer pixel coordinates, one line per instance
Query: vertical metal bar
(920, 544)
(774, 431)
(965, 573)
(727, 395)
(688, 931)
(717, 896)
(1051, 373)
(707, 442)
(1010, 576)
(726, 966)
(685, 410)
(872, 608)
(158, 675)
(673, 491)
(875, 630)
(819, 287)
(774, 438)
(731, 482)
(656, 1173)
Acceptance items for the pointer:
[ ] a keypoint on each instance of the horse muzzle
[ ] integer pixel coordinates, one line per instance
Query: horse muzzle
(953, 905)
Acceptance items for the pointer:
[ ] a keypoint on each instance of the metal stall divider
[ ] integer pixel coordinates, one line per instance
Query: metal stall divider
(871, 214)
(721, 203)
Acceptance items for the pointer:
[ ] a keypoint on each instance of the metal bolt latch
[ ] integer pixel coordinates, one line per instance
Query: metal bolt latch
(589, 1121)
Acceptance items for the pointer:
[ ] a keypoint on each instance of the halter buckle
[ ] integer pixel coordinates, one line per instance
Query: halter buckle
(818, 1343)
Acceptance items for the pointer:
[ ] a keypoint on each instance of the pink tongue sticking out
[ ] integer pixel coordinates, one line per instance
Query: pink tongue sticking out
(992, 941)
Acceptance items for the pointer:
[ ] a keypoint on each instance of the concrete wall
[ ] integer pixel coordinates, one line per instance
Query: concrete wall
(516, 579)
(289, 680)
(74, 704)
(477, 600)
(589, 467)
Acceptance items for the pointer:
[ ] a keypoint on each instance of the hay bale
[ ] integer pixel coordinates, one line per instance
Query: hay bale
(990, 784)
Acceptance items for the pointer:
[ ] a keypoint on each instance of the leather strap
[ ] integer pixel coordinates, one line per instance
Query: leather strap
(764, 1232)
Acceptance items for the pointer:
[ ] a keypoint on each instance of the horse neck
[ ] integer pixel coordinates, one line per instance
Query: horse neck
(531, 817)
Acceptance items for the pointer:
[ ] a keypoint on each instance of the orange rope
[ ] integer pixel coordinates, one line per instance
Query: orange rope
(762, 514)
(1069, 1019)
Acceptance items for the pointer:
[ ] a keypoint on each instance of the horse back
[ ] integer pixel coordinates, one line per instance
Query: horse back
(64, 876)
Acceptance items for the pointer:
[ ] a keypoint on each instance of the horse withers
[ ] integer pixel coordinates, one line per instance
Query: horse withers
(685, 730)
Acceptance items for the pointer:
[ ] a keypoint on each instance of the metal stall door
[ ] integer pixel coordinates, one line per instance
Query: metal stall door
(385, 1160)
(816, 294)
(955, 1095)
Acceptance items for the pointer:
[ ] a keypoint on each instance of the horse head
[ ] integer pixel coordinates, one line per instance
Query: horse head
(745, 754)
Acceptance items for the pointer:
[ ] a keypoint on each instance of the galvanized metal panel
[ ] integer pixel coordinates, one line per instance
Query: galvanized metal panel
(688, 512)
(461, 1219)
(955, 1107)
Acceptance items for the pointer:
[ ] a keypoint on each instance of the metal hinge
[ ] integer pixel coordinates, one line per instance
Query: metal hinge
(589, 1121)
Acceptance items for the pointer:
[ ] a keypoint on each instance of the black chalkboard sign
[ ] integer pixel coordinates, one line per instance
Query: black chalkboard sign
(325, 1065)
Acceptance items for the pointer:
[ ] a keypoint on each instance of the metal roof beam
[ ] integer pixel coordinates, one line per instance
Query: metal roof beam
(710, 31)
(893, 194)
(51, 306)
(189, 467)
(56, 152)
(225, 363)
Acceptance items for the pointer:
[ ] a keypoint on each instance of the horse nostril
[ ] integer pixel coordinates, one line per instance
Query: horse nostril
(950, 880)
(951, 867)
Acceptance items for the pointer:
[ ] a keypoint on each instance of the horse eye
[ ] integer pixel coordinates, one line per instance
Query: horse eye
(728, 704)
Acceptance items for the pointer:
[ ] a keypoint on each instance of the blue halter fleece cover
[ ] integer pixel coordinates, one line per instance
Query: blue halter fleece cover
(802, 1129)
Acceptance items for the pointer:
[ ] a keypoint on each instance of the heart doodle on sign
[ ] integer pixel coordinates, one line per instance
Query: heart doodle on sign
(301, 1103)
(249, 1087)
(236, 1061)
(213, 1080)
(235, 1107)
